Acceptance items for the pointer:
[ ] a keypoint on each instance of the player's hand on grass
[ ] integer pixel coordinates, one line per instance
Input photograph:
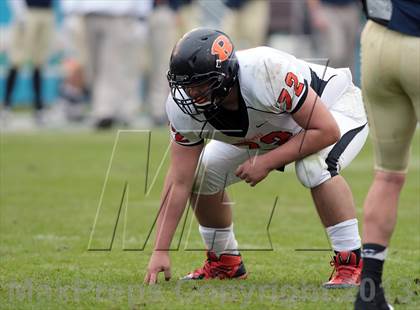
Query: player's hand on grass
(159, 261)
(252, 171)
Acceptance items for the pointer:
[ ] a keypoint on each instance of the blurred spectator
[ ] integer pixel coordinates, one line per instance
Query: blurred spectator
(288, 17)
(73, 90)
(289, 28)
(33, 26)
(162, 38)
(337, 25)
(211, 13)
(115, 31)
(188, 15)
(246, 21)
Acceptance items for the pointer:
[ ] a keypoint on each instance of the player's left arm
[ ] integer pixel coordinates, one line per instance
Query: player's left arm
(319, 131)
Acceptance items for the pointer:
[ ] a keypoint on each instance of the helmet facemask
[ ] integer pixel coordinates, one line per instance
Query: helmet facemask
(198, 94)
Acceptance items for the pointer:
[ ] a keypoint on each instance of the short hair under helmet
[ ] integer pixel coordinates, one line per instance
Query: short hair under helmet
(206, 57)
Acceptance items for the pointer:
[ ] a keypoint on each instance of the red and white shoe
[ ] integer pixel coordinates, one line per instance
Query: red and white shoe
(347, 271)
(227, 266)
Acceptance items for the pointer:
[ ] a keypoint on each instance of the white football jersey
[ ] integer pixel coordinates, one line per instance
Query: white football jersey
(273, 85)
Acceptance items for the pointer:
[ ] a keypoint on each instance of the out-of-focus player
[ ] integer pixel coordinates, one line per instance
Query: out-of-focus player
(32, 32)
(391, 89)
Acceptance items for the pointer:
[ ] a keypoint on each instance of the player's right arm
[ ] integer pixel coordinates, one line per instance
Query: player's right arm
(176, 192)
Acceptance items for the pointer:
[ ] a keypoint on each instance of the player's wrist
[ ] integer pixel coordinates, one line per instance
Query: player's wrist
(161, 247)
(161, 251)
(268, 162)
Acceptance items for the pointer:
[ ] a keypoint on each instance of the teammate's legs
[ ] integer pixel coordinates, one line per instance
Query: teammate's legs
(393, 115)
(391, 135)
(383, 195)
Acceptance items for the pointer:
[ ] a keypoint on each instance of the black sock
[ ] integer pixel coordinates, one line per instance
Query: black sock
(370, 290)
(373, 262)
(371, 294)
(10, 83)
(37, 84)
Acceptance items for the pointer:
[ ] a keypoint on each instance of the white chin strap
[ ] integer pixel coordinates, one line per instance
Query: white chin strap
(203, 106)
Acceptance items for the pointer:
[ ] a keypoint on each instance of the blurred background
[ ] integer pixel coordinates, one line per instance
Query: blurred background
(102, 64)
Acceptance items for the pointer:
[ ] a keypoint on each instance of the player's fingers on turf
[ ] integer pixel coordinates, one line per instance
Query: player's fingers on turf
(167, 273)
(153, 277)
(146, 278)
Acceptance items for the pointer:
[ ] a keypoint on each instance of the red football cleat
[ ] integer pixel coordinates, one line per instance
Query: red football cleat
(347, 271)
(227, 266)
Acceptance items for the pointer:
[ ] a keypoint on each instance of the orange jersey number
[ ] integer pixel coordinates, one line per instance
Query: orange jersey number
(285, 98)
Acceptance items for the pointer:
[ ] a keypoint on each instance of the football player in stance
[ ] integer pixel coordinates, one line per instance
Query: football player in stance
(262, 109)
(390, 50)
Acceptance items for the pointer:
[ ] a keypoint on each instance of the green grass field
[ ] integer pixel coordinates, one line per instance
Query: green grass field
(51, 185)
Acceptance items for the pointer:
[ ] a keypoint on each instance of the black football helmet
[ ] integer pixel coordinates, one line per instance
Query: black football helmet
(203, 59)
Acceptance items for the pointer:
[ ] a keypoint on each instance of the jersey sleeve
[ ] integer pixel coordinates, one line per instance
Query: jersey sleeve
(183, 129)
(288, 85)
(185, 138)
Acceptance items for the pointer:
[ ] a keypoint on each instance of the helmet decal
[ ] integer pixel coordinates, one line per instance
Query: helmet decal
(222, 47)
